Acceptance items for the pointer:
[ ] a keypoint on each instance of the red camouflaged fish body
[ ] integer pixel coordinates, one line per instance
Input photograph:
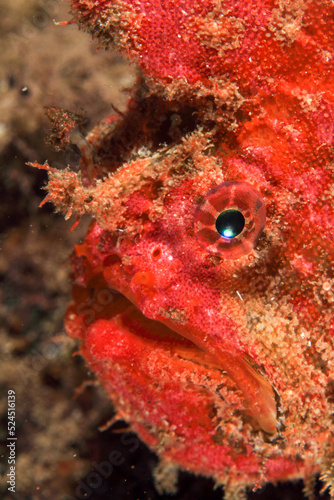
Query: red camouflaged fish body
(203, 292)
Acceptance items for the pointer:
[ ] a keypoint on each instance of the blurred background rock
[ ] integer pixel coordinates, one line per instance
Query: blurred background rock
(42, 64)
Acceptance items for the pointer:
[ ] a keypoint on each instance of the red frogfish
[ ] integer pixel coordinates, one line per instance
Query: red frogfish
(203, 292)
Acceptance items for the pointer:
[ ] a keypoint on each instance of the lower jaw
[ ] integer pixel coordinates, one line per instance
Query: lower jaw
(175, 396)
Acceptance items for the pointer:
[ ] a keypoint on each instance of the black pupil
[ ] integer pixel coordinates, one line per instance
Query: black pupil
(230, 223)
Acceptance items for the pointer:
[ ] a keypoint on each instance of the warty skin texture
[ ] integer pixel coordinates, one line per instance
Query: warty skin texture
(221, 361)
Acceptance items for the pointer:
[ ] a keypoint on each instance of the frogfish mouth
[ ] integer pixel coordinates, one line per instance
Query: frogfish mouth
(171, 281)
(203, 290)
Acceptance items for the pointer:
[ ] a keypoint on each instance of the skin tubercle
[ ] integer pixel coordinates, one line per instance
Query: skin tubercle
(211, 253)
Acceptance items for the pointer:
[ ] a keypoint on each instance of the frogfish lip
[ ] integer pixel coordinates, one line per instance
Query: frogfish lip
(256, 389)
(123, 312)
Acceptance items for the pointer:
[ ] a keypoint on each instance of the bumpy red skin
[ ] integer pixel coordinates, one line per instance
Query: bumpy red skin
(251, 43)
(203, 397)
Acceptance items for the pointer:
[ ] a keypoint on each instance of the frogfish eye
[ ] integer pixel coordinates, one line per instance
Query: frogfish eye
(230, 220)
(230, 223)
